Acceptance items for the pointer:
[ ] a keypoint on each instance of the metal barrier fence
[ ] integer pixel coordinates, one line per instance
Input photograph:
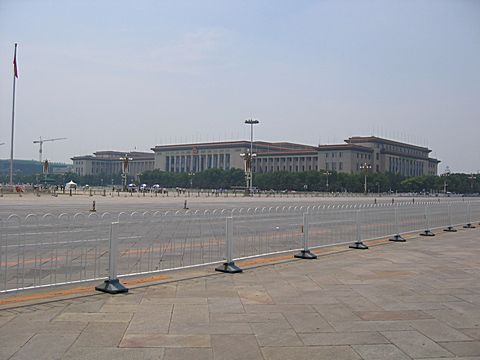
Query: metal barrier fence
(40, 251)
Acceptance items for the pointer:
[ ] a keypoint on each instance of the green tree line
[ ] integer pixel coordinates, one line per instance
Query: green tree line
(315, 181)
(279, 181)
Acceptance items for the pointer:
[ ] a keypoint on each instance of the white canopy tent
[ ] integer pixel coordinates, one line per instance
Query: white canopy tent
(70, 185)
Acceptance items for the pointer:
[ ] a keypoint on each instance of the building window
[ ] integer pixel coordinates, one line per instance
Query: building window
(227, 161)
(340, 166)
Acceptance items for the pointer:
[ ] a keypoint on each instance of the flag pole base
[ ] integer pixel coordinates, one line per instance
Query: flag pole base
(305, 254)
(229, 267)
(111, 287)
(427, 233)
(397, 238)
(359, 245)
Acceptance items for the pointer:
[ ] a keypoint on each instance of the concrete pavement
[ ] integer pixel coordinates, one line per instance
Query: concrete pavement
(413, 300)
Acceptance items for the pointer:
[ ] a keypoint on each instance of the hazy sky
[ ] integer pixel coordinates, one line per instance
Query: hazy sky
(134, 74)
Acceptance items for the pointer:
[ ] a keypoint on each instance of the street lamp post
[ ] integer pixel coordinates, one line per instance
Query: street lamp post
(365, 167)
(327, 173)
(472, 178)
(249, 158)
(445, 175)
(191, 175)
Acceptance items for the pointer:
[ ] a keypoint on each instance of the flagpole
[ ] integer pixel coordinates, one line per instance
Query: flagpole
(13, 114)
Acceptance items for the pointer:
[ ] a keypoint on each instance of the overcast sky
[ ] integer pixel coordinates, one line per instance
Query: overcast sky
(122, 75)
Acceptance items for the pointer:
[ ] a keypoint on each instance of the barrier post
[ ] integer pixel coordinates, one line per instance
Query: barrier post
(450, 224)
(468, 219)
(397, 237)
(358, 244)
(305, 253)
(427, 231)
(112, 285)
(229, 265)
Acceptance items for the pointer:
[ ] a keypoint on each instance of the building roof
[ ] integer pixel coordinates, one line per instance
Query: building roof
(264, 145)
(206, 145)
(344, 147)
(112, 155)
(375, 139)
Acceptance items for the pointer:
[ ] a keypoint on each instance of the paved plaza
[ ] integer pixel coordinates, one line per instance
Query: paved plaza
(413, 300)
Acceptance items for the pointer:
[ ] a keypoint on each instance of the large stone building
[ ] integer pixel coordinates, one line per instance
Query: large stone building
(110, 163)
(223, 155)
(380, 155)
(396, 157)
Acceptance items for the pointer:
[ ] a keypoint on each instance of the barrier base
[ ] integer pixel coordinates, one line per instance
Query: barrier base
(450, 229)
(229, 267)
(468, 226)
(112, 287)
(398, 238)
(305, 254)
(359, 245)
(427, 233)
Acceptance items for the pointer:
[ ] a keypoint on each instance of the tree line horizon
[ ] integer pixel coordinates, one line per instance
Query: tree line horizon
(277, 181)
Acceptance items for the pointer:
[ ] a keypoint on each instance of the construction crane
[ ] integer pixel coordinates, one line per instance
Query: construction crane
(41, 141)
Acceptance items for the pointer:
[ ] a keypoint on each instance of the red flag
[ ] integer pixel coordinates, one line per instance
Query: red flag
(15, 70)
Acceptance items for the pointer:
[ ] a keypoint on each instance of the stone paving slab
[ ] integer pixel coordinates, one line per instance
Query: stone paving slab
(413, 300)
(380, 352)
(415, 344)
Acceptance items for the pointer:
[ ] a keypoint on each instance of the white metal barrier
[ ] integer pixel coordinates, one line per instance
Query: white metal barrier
(40, 251)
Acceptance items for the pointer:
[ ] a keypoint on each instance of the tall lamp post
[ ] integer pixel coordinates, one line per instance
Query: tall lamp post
(445, 175)
(249, 157)
(365, 167)
(326, 184)
(191, 175)
(472, 178)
